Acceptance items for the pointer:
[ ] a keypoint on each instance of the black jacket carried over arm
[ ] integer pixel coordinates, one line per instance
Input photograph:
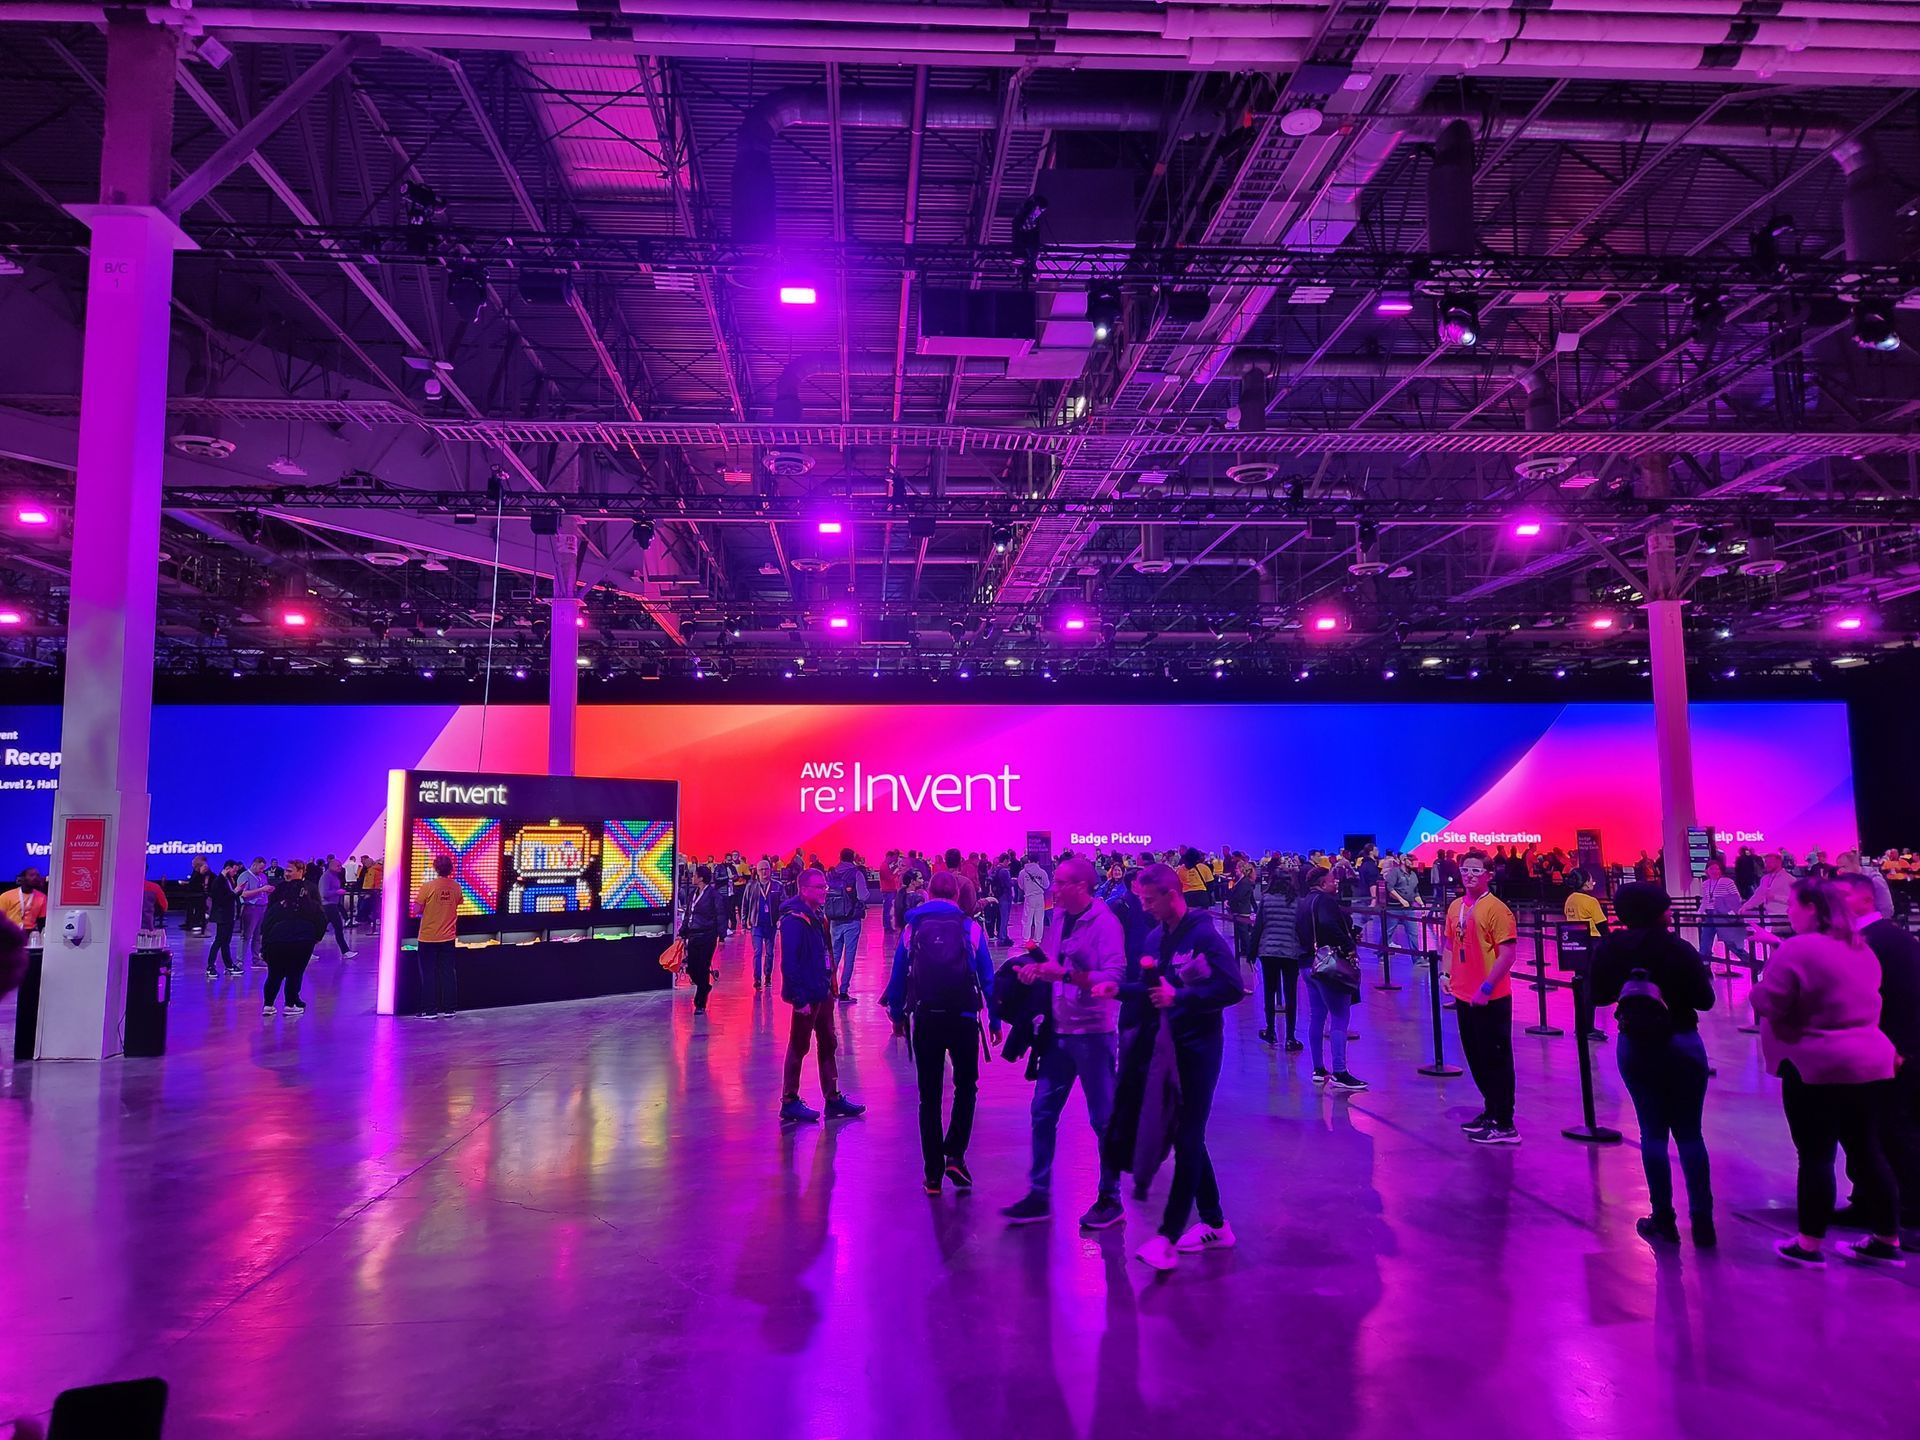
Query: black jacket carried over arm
(1319, 919)
(1670, 962)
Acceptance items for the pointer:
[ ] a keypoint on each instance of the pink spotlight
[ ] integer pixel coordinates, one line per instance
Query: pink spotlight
(1393, 303)
(1526, 529)
(295, 619)
(579, 622)
(32, 515)
(12, 617)
(1326, 624)
(1600, 622)
(839, 622)
(799, 295)
(831, 527)
(1073, 622)
(1848, 622)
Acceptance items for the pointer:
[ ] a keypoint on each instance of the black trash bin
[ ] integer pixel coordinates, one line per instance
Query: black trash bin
(149, 989)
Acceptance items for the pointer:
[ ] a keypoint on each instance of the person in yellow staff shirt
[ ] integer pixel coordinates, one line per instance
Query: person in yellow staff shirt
(1484, 943)
(26, 903)
(1582, 907)
(439, 904)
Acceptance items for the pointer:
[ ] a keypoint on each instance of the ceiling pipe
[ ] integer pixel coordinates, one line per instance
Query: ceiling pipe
(1542, 402)
(755, 198)
(1666, 125)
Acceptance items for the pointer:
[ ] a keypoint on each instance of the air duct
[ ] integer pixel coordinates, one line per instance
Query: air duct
(1152, 559)
(1450, 227)
(755, 198)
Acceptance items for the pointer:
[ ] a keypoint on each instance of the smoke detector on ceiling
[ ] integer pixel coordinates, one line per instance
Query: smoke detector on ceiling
(386, 559)
(1544, 467)
(788, 464)
(203, 446)
(1303, 120)
(1252, 472)
(1152, 565)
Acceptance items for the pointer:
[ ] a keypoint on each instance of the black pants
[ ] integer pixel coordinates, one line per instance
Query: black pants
(286, 961)
(337, 918)
(1820, 1117)
(222, 943)
(1280, 979)
(196, 912)
(1486, 1035)
(433, 962)
(1900, 1138)
(1198, 1061)
(700, 950)
(936, 1039)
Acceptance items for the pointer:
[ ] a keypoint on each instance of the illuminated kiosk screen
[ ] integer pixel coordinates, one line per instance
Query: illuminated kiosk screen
(554, 865)
(473, 845)
(637, 865)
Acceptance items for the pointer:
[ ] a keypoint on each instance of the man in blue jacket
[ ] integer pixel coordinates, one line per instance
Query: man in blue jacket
(807, 984)
(943, 976)
(1188, 978)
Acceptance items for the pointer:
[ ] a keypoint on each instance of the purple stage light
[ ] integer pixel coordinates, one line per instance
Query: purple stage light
(295, 619)
(839, 622)
(831, 527)
(1073, 622)
(1527, 529)
(33, 515)
(1850, 622)
(799, 295)
(12, 617)
(1393, 302)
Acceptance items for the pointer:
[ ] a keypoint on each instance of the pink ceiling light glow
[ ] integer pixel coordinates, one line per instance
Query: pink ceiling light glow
(831, 527)
(1526, 529)
(295, 619)
(33, 515)
(1074, 622)
(11, 617)
(1325, 624)
(1850, 622)
(839, 622)
(1600, 622)
(799, 295)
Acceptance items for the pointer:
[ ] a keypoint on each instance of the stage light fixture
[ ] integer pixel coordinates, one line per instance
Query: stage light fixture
(1459, 321)
(1012, 662)
(1393, 302)
(1388, 673)
(1873, 327)
(643, 532)
(12, 617)
(1850, 622)
(33, 515)
(519, 672)
(1104, 310)
(295, 619)
(799, 295)
(831, 527)
(467, 289)
(1527, 529)
(1002, 537)
(1560, 674)
(839, 622)
(1601, 623)
(1074, 623)
(1324, 624)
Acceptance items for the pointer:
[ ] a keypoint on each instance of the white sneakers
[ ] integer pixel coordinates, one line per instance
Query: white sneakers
(1163, 1254)
(1207, 1237)
(1157, 1254)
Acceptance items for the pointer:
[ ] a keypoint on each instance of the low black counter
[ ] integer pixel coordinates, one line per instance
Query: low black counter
(545, 970)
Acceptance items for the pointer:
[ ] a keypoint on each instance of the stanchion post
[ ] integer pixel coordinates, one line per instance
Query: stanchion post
(1540, 982)
(1587, 1131)
(1439, 1068)
(1386, 956)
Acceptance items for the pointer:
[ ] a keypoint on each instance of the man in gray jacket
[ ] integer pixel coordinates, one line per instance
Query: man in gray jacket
(1085, 945)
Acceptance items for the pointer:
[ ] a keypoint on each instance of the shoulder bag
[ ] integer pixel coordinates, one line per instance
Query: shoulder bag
(1329, 964)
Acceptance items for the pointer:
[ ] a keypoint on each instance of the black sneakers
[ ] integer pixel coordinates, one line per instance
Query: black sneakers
(1105, 1213)
(1029, 1208)
(958, 1173)
(1491, 1134)
(1655, 1230)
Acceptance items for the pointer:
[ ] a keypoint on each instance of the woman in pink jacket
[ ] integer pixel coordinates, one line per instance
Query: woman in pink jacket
(1819, 1010)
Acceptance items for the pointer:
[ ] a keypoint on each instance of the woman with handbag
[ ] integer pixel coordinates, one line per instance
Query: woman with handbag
(702, 934)
(1333, 987)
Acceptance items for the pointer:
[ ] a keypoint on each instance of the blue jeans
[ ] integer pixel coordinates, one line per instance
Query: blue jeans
(1401, 930)
(1668, 1083)
(1324, 1000)
(1731, 933)
(846, 944)
(1094, 1060)
(762, 958)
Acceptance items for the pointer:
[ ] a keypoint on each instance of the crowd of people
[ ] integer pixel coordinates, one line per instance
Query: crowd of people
(1123, 966)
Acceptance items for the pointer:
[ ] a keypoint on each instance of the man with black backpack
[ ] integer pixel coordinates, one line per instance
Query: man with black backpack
(845, 910)
(943, 978)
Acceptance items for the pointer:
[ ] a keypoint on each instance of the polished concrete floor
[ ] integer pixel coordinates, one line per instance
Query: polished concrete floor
(583, 1220)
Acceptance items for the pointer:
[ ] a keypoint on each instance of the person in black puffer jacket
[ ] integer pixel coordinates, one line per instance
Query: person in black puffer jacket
(292, 926)
(1660, 985)
(1277, 949)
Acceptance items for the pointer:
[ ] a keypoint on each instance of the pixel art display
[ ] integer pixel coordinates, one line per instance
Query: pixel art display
(636, 870)
(554, 866)
(473, 844)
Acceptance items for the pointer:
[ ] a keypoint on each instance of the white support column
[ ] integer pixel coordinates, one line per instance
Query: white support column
(108, 705)
(1673, 734)
(563, 664)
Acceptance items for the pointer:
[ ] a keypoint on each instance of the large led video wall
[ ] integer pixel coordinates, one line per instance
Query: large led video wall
(537, 858)
(286, 781)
